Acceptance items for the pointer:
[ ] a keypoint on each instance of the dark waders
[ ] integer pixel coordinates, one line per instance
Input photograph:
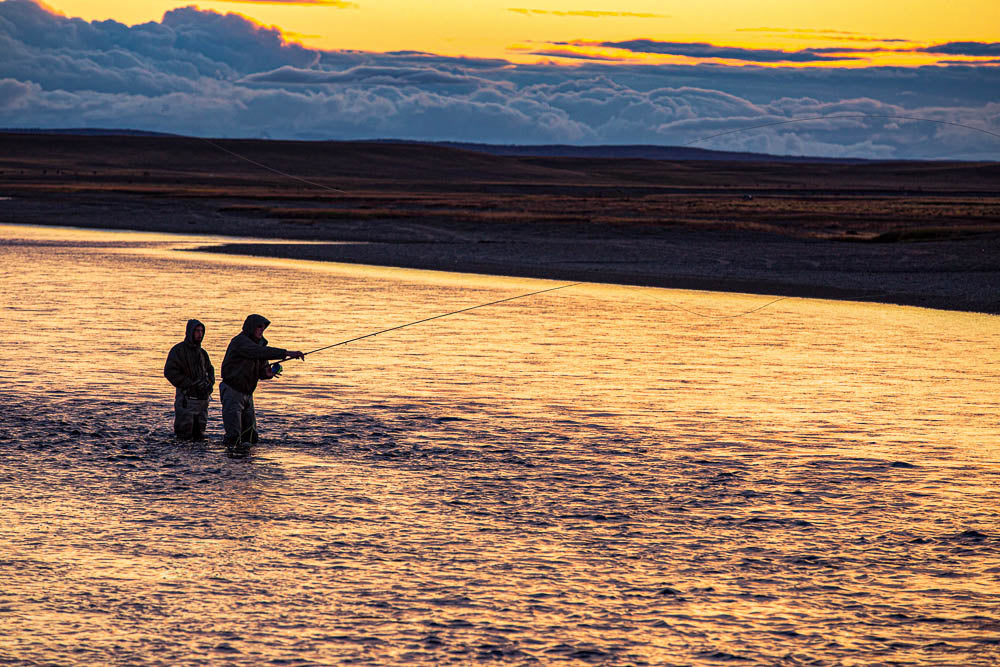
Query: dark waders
(190, 416)
(238, 418)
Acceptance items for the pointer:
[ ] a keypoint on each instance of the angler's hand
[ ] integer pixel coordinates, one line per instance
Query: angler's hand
(200, 391)
(203, 390)
(296, 355)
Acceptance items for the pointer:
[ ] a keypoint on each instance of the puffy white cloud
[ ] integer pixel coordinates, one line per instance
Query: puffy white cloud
(209, 74)
(14, 93)
(367, 74)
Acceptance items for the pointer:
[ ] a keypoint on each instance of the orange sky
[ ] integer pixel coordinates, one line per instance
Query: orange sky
(520, 30)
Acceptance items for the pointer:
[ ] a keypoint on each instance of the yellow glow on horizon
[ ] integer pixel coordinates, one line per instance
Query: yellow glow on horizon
(501, 28)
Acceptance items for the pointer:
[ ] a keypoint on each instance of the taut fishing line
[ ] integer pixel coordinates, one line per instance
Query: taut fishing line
(860, 299)
(689, 143)
(435, 317)
(271, 169)
(714, 317)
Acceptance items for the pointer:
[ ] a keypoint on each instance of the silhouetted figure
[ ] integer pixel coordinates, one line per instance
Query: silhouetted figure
(189, 369)
(245, 363)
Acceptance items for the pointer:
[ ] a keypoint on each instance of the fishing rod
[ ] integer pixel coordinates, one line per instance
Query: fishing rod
(435, 317)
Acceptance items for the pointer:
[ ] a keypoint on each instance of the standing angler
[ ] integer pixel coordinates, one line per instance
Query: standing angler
(245, 363)
(189, 369)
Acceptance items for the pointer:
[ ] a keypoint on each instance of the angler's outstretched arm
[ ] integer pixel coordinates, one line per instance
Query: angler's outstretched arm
(245, 347)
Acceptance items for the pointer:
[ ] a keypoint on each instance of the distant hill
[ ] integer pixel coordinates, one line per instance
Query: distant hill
(85, 131)
(130, 158)
(638, 152)
(634, 151)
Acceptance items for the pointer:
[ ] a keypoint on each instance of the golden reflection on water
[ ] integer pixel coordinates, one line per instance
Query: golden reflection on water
(589, 475)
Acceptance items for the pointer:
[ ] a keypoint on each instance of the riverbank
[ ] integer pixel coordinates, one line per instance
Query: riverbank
(923, 234)
(930, 275)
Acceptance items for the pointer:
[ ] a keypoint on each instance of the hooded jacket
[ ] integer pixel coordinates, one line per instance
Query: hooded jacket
(246, 359)
(188, 363)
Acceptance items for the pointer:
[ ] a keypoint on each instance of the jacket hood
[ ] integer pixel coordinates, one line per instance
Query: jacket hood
(254, 321)
(190, 330)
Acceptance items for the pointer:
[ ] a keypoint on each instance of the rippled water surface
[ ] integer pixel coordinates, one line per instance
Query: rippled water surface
(588, 475)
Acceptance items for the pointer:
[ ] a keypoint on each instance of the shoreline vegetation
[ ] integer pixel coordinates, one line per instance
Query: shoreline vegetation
(912, 233)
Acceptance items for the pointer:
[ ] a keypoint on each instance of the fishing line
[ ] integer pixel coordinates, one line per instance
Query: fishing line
(854, 115)
(671, 304)
(271, 169)
(436, 317)
(864, 298)
(715, 317)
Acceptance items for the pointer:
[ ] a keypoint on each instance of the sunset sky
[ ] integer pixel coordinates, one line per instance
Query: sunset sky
(884, 32)
(516, 72)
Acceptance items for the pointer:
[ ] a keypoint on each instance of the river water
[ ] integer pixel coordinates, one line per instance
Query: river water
(591, 475)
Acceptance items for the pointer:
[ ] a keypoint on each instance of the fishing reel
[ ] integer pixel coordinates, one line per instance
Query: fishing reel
(276, 369)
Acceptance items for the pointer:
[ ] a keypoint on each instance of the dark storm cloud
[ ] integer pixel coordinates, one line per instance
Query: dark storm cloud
(967, 62)
(188, 43)
(965, 49)
(905, 86)
(701, 50)
(204, 73)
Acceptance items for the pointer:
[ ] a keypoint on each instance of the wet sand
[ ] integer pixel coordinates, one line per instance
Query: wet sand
(924, 234)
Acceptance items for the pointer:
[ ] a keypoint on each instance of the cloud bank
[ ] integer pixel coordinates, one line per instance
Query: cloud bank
(208, 74)
(701, 50)
(966, 49)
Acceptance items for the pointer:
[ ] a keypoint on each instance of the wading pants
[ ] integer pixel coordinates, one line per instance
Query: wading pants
(190, 416)
(238, 416)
